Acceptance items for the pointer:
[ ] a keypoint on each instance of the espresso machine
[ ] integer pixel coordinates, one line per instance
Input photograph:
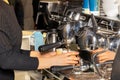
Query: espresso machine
(74, 27)
(66, 34)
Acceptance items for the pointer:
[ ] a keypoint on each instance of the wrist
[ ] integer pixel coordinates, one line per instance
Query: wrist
(44, 63)
(35, 54)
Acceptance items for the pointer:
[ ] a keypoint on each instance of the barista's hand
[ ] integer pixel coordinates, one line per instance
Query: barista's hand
(108, 55)
(38, 54)
(58, 60)
(49, 54)
(35, 54)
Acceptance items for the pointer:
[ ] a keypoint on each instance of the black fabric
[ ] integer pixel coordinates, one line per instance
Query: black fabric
(116, 67)
(19, 11)
(5, 74)
(35, 8)
(11, 56)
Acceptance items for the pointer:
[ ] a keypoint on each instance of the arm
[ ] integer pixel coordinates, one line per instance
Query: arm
(10, 53)
(12, 57)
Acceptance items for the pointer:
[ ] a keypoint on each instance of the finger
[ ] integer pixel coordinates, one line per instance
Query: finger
(53, 53)
(73, 58)
(98, 50)
(72, 62)
(50, 54)
(72, 53)
(103, 55)
(104, 59)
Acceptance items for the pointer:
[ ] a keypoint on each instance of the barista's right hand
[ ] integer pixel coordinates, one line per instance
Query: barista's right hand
(58, 60)
(105, 56)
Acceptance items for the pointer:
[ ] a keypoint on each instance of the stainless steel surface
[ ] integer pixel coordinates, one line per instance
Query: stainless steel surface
(108, 40)
(69, 75)
(114, 43)
(68, 33)
(73, 16)
(84, 76)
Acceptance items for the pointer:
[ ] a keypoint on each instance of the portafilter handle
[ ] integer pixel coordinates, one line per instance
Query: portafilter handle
(47, 47)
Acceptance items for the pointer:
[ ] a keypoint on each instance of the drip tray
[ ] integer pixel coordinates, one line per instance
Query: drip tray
(83, 76)
(80, 76)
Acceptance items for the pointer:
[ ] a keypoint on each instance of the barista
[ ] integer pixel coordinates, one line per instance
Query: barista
(12, 57)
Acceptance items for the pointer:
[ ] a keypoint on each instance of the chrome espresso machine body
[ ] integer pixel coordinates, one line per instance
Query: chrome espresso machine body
(87, 32)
